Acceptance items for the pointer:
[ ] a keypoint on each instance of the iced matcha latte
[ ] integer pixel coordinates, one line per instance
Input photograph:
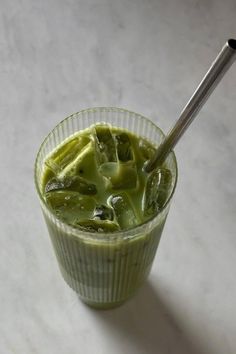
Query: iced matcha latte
(104, 213)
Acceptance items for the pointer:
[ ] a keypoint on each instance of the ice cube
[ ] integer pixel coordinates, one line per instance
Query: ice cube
(70, 150)
(82, 186)
(53, 166)
(124, 211)
(70, 206)
(54, 184)
(105, 144)
(164, 186)
(147, 151)
(121, 175)
(66, 154)
(126, 176)
(124, 148)
(57, 199)
(97, 225)
(74, 183)
(84, 165)
(156, 191)
(109, 169)
(103, 212)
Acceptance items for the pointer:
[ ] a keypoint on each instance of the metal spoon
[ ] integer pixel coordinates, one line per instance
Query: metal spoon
(218, 68)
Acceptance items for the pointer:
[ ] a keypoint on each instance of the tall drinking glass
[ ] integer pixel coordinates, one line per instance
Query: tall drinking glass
(105, 269)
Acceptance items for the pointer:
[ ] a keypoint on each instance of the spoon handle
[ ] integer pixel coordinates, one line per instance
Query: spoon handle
(218, 68)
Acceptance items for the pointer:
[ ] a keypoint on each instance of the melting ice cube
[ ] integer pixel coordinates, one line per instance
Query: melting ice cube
(54, 184)
(124, 148)
(156, 191)
(66, 154)
(103, 212)
(105, 144)
(164, 186)
(120, 175)
(74, 183)
(147, 151)
(98, 225)
(84, 165)
(124, 211)
(70, 206)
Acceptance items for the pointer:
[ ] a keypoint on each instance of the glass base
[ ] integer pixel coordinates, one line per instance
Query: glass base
(102, 306)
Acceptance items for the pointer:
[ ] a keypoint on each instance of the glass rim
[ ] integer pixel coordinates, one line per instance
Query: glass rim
(103, 236)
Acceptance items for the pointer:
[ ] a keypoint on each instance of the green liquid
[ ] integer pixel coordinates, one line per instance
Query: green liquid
(95, 181)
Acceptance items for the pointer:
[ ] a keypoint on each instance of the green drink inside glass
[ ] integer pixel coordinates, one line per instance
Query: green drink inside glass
(104, 213)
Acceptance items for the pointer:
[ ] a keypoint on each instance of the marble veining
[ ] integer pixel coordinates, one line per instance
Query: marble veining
(57, 57)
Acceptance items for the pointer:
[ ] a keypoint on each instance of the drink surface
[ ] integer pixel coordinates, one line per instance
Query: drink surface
(95, 180)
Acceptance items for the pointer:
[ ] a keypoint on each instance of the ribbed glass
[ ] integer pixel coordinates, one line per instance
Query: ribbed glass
(105, 269)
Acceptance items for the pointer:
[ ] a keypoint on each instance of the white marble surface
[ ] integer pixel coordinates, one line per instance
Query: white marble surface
(57, 57)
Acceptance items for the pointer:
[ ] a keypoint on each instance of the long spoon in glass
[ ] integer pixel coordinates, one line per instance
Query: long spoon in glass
(218, 68)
